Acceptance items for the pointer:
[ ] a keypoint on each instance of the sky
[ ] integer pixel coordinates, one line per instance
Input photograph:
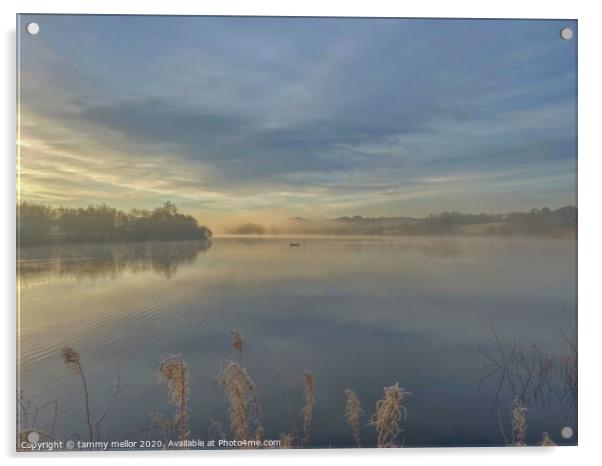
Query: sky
(241, 119)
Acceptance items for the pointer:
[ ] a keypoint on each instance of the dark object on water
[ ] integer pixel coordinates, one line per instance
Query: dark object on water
(295, 244)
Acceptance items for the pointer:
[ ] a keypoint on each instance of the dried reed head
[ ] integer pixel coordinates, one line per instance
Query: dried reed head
(244, 407)
(73, 362)
(389, 411)
(237, 342)
(174, 371)
(353, 412)
(308, 409)
(71, 359)
(518, 416)
(546, 441)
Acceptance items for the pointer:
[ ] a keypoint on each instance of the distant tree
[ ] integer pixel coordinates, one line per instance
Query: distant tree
(34, 223)
(41, 224)
(541, 222)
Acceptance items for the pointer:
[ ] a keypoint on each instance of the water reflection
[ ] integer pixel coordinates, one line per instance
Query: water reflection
(358, 312)
(97, 261)
(441, 247)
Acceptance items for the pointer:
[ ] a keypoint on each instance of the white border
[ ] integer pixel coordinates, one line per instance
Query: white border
(590, 215)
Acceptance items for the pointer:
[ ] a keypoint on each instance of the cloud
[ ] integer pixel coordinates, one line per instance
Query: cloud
(312, 116)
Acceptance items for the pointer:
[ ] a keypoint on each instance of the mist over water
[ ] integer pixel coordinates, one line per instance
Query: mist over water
(359, 312)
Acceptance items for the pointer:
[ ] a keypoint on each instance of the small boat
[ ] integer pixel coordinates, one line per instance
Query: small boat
(294, 244)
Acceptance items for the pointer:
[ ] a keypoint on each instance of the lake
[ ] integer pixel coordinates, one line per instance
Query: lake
(359, 312)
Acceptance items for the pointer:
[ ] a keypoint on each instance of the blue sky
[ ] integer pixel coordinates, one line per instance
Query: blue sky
(257, 118)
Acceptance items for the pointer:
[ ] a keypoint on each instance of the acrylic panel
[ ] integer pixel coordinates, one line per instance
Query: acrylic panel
(287, 232)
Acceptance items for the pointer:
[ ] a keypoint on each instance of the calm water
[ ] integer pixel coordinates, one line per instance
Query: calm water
(358, 312)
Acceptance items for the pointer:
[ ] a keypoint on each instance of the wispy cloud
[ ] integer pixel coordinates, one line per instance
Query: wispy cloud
(251, 116)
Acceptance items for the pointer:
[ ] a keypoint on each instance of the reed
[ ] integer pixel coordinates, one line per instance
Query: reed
(29, 413)
(158, 421)
(568, 363)
(518, 418)
(107, 409)
(353, 413)
(237, 343)
(72, 361)
(308, 409)
(389, 411)
(286, 441)
(174, 371)
(531, 373)
(215, 429)
(244, 409)
(289, 403)
(546, 441)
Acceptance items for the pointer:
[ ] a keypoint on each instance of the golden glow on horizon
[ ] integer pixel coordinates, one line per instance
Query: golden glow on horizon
(65, 166)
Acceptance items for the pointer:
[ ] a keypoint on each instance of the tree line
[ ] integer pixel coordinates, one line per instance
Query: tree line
(39, 224)
(536, 222)
(558, 223)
